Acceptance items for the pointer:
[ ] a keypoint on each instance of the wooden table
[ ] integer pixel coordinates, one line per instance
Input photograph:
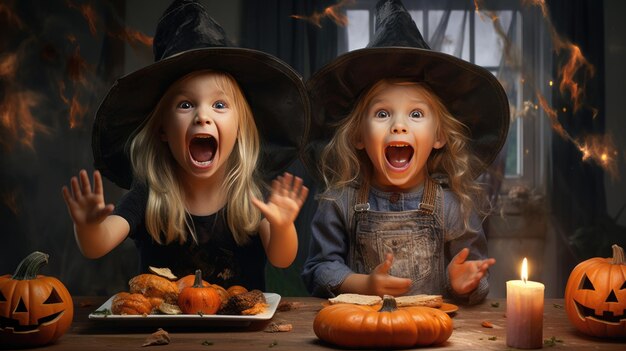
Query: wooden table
(88, 335)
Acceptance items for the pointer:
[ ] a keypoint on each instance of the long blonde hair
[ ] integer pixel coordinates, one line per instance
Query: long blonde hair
(154, 165)
(342, 163)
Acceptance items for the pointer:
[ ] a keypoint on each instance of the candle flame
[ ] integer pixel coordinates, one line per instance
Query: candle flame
(525, 270)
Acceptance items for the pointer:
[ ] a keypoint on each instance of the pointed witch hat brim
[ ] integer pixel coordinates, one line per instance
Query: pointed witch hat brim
(471, 93)
(188, 39)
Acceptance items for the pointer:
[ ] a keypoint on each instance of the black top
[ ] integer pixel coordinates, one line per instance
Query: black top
(221, 260)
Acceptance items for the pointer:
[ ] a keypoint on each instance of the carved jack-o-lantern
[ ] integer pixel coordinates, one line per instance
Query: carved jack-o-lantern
(34, 309)
(595, 295)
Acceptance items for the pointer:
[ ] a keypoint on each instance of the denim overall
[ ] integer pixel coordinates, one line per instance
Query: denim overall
(415, 238)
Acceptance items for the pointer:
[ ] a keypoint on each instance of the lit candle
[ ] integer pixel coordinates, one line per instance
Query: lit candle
(524, 312)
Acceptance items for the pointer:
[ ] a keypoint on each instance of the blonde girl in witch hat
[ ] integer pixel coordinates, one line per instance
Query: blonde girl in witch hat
(409, 130)
(191, 135)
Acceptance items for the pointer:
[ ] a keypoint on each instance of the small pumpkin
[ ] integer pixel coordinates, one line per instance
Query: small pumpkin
(595, 295)
(188, 280)
(358, 326)
(35, 309)
(198, 298)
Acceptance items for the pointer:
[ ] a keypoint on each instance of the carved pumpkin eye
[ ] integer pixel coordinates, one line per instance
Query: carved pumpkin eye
(586, 284)
(623, 286)
(2, 298)
(53, 298)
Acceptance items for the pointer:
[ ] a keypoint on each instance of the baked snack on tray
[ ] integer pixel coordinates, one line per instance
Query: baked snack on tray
(133, 304)
(356, 299)
(152, 285)
(434, 301)
(248, 303)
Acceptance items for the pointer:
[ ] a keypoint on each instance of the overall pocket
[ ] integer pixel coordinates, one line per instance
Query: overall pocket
(414, 251)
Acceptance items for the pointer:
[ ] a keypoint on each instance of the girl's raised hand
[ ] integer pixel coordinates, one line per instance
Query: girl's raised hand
(380, 283)
(86, 207)
(288, 195)
(465, 275)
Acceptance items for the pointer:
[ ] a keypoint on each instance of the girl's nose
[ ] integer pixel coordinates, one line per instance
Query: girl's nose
(202, 117)
(398, 127)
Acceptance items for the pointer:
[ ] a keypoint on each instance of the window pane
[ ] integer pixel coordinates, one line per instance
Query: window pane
(456, 34)
(358, 29)
(513, 167)
(488, 42)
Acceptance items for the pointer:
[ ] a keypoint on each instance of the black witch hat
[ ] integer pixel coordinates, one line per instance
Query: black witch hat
(187, 39)
(471, 93)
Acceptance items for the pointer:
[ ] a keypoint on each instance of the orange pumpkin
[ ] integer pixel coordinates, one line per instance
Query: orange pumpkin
(188, 280)
(35, 309)
(595, 296)
(358, 326)
(198, 298)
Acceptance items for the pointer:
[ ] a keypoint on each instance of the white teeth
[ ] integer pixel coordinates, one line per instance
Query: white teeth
(202, 163)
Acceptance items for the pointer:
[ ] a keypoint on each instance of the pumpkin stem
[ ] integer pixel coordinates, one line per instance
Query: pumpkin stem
(389, 304)
(618, 255)
(197, 282)
(30, 265)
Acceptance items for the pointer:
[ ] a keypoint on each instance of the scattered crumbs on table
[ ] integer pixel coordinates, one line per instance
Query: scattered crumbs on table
(495, 304)
(207, 343)
(273, 343)
(159, 337)
(285, 306)
(493, 338)
(552, 341)
(486, 324)
(556, 305)
(276, 327)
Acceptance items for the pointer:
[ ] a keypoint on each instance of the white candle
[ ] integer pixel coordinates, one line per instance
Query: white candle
(524, 312)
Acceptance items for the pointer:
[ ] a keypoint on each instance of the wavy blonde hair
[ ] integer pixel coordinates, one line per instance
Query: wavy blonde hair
(342, 163)
(153, 164)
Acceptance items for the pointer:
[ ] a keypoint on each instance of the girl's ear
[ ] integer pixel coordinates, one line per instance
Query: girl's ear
(439, 143)
(358, 143)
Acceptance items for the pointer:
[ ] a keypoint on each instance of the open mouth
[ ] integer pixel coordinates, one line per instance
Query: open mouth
(399, 155)
(13, 324)
(607, 316)
(202, 150)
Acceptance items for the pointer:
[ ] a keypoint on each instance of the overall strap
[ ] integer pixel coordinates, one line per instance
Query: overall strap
(426, 206)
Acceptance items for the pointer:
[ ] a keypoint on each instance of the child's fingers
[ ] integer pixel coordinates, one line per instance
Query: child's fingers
(262, 206)
(303, 194)
(75, 188)
(384, 267)
(97, 183)
(85, 184)
(461, 256)
(69, 201)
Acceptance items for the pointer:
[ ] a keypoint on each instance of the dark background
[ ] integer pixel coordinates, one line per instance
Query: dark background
(58, 58)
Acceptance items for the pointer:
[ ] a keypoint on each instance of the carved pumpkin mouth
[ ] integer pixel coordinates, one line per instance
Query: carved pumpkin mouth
(606, 317)
(13, 324)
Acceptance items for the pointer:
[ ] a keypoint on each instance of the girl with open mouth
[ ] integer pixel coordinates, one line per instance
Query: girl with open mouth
(411, 129)
(195, 136)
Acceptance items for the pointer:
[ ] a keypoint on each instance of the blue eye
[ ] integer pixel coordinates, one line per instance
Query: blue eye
(382, 114)
(185, 105)
(219, 105)
(416, 114)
